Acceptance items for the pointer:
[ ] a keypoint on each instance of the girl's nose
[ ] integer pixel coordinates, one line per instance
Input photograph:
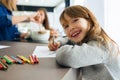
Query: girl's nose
(72, 26)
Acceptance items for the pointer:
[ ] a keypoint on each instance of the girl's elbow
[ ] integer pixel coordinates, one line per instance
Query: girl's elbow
(65, 60)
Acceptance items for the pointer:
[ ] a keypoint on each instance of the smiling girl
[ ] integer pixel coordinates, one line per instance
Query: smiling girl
(86, 46)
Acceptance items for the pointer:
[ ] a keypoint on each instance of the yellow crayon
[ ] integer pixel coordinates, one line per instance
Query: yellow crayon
(24, 59)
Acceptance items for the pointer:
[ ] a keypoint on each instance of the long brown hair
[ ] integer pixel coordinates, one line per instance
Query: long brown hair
(46, 21)
(96, 32)
(9, 4)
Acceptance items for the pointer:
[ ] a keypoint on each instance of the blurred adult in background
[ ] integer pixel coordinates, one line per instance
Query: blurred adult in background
(8, 28)
(42, 31)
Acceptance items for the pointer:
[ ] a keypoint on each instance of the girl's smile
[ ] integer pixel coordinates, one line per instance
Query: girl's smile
(75, 33)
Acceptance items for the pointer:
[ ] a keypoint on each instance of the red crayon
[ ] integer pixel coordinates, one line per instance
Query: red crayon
(4, 62)
(33, 59)
(1, 67)
(4, 67)
(36, 59)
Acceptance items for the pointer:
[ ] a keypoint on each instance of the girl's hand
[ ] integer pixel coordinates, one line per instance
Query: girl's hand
(53, 45)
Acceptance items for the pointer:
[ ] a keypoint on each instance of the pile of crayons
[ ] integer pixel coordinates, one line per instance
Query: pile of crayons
(8, 60)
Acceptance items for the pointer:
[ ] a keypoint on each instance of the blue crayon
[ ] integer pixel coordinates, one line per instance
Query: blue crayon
(17, 60)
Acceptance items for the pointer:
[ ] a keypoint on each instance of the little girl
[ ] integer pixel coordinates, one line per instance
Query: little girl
(41, 30)
(86, 46)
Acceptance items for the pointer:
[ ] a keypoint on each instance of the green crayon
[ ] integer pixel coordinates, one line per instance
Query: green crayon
(7, 60)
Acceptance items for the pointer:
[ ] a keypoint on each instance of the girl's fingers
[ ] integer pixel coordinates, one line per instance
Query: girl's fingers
(52, 46)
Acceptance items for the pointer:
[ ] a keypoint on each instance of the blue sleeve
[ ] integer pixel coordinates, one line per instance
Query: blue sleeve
(5, 19)
(16, 33)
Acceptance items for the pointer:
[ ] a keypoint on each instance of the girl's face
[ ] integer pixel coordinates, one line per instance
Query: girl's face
(41, 16)
(75, 28)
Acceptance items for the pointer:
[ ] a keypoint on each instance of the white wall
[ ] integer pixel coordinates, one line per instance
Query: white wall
(57, 12)
(112, 19)
(97, 7)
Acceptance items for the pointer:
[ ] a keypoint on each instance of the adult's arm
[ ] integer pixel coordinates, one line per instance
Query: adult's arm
(18, 19)
(9, 20)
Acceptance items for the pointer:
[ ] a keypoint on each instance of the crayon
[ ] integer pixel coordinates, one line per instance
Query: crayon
(24, 58)
(4, 62)
(1, 67)
(27, 60)
(4, 67)
(7, 60)
(53, 39)
(20, 58)
(13, 61)
(17, 60)
(31, 60)
(36, 59)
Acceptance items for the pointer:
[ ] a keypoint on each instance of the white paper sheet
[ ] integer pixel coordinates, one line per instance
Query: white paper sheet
(43, 51)
(3, 46)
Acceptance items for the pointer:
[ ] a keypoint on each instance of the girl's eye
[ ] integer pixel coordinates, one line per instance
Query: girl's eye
(66, 26)
(75, 20)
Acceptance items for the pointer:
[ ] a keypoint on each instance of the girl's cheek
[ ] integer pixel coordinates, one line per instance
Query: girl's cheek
(67, 32)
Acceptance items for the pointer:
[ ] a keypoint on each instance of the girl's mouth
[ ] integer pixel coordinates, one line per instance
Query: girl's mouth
(75, 34)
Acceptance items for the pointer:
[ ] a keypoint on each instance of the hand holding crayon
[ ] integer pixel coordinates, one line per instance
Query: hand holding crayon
(52, 45)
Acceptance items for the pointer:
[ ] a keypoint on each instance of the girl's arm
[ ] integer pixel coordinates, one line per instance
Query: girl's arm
(62, 40)
(80, 56)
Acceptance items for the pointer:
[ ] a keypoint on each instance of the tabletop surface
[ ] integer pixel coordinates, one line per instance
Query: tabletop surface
(47, 69)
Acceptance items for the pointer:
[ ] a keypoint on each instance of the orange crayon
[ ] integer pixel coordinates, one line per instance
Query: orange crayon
(31, 59)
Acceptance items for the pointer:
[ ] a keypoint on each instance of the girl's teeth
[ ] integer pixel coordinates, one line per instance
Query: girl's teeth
(75, 34)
